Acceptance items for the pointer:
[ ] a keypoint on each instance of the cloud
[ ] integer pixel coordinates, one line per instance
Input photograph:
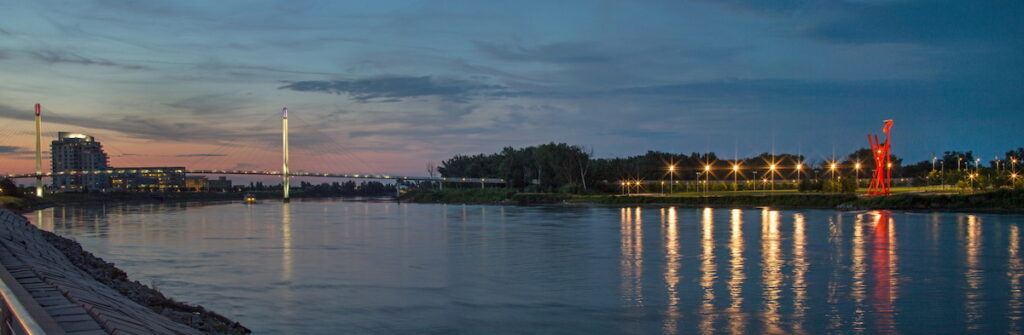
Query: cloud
(156, 127)
(563, 52)
(7, 149)
(51, 56)
(396, 88)
(212, 104)
(200, 155)
(929, 22)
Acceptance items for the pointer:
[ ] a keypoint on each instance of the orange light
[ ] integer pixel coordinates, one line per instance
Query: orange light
(889, 165)
(799, 166)
(856, 166)
(772, 167)
(833, 166)
(735, 167)
(671, 168)
(707, 167)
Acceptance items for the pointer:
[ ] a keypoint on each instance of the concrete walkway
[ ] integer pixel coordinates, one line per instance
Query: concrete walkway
(77, 302)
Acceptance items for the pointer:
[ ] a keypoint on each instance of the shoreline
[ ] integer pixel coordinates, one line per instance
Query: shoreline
(998, 202)
(90, 282)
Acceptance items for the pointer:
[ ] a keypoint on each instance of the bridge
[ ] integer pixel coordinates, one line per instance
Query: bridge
(285, 173)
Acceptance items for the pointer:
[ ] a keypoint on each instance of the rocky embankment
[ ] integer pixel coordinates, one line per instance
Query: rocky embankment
(65, 279)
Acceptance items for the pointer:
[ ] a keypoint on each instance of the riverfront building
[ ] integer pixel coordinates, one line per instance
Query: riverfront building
(80, 165)
(72, 153)
(148, 179)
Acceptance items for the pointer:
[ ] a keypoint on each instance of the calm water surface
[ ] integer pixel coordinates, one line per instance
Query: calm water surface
(326, 267)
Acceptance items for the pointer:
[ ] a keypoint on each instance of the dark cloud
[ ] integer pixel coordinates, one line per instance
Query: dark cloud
(930, 22)
(156, 127)
(6, 149)
(565, 52)
(51, 56)
(200, 155)
(396, 88)
(212, 104)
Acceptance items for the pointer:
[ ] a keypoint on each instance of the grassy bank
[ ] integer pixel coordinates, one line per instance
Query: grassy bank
(1001, 200)
(482, 196)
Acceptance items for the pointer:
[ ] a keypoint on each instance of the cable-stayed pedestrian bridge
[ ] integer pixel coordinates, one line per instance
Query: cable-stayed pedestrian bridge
(266, 173)
(286, 173)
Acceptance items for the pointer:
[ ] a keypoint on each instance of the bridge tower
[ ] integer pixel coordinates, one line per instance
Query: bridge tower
(39, 152)
(285, 180)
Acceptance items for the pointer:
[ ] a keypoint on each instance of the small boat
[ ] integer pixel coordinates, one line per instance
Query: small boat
(250, 198)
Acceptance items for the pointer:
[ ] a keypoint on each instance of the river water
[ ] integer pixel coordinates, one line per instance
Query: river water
(343, 266)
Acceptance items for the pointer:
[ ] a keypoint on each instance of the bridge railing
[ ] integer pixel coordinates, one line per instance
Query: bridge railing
(20, 313)
(268, 173)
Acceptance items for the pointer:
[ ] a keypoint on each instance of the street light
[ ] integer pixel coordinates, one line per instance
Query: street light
(832, 169)
(735, 176)
(707, 178)
(671, 177)
(856, 173)
(771, 174)
(799, 167)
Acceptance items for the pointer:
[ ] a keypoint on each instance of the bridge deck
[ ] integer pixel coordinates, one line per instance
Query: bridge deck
(267, 173)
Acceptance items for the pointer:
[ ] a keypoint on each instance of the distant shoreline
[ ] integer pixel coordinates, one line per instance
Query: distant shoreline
(1000, 201)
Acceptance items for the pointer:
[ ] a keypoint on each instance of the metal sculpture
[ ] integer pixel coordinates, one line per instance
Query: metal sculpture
(882, 179)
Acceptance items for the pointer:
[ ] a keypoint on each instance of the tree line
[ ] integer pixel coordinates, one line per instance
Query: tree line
(572, 168)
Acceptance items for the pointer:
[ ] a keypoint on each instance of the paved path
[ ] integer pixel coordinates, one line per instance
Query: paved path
(76, 301)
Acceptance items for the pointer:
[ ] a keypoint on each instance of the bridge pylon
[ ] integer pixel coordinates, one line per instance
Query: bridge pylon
(39, 152)
(285, 180)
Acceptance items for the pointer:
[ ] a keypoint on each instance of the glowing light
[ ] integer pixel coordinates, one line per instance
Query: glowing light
(736, 167)
(832, 166)
(707, 167)
(888, 165)
(771, 167)
(799, 166)
(671, 168)
(856, 166)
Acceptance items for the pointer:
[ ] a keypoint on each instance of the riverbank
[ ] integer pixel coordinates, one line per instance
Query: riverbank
(1000, 200)
(101, 295)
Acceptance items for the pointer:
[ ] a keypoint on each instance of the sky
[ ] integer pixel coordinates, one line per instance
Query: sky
(386, 86)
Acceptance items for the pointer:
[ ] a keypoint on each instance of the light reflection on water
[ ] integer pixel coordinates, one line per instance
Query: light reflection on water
(376, 267)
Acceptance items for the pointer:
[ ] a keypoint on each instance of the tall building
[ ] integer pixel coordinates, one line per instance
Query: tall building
(74, 153)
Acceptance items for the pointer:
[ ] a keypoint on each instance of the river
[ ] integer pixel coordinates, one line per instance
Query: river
(345, 266)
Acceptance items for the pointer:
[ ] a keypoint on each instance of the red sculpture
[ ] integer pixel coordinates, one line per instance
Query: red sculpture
(881, 181)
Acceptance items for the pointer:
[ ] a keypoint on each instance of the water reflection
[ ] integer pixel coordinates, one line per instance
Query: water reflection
(771, 271)
(379, 268)
(1014, 272)
(708, 271)
(800, 267)
(672, 265)
(974, 275)
(632, 262)
(883, 265)
(737, 319)
(287, 265)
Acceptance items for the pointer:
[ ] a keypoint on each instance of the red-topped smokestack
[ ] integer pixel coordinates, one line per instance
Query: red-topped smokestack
(38, 110)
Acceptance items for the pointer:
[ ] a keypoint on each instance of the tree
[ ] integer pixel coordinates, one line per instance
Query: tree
(8, 188)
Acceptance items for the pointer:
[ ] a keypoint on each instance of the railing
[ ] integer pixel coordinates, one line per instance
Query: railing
(19, 312)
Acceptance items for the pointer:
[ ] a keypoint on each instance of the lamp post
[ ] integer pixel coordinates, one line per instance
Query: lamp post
(755, 180)
(799, 168)
(707, 178)
(856, 173)
(832, 169)
(671, 177)
(771, 174)
(735, 176)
